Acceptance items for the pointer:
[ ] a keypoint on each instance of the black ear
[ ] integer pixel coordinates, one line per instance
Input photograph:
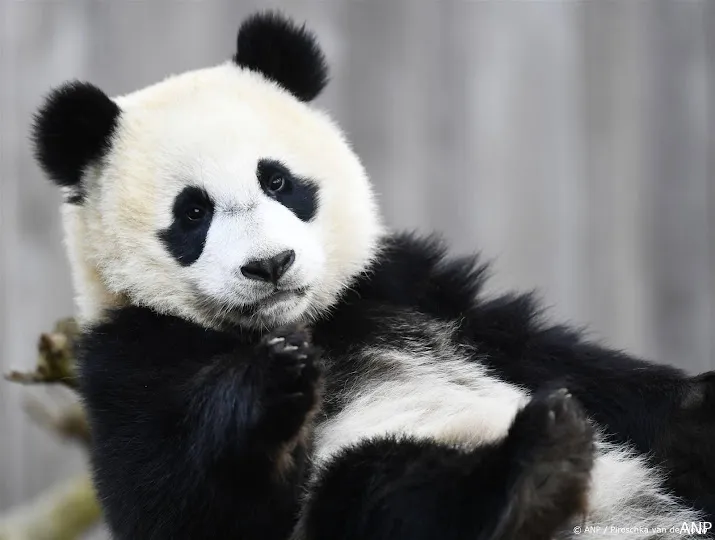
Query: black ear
(275, 46)
(72, 129)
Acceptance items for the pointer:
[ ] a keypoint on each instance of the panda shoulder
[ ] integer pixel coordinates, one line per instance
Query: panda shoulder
(419, 272)
(139, 335)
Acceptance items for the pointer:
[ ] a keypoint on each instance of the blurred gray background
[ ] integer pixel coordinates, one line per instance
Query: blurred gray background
(570, 141)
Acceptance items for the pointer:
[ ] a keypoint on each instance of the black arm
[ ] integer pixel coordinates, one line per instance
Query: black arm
(196, 433)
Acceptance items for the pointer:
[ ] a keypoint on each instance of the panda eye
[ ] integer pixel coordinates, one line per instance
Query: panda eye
(276, 183)
(195, 213)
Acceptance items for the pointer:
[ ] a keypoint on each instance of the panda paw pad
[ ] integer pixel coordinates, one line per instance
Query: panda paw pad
(292, 379)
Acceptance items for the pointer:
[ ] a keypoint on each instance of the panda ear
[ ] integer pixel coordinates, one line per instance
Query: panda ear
(284, 52)
(72, 129)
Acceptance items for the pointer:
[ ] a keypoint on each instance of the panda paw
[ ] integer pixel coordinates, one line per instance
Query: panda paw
(552, 441)
(292, 381)
(559, 430)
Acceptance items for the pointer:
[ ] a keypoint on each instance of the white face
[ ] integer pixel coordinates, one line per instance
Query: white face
(248, 252)
(224, 200)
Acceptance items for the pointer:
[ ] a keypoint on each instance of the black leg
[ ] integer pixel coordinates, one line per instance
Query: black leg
(524, 486)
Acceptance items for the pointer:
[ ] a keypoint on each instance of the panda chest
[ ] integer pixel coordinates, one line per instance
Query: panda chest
(425, 390)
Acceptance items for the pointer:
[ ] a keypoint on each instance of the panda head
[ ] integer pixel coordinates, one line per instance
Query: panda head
(218, 195)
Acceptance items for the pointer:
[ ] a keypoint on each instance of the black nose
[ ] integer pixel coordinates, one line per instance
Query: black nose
(271, 269)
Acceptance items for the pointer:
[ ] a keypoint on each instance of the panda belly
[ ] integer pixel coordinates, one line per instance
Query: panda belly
(449, 400)
(437, 390)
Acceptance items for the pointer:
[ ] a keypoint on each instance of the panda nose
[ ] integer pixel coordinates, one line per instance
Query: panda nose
(270, 269)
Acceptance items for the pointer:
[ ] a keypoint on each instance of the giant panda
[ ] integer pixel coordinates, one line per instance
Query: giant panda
(262, 358)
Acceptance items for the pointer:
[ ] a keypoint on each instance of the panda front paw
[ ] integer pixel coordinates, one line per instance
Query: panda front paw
(558, 435)
(292, 383)
(551, 444)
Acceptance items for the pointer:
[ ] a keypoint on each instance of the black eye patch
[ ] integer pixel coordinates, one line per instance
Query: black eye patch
(186, 236)
(297, 194)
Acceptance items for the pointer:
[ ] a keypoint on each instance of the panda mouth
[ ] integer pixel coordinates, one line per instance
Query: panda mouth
(278, 296)
(234, 313)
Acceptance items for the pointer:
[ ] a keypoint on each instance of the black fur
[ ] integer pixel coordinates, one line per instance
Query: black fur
(73, 128)
(687, 443)
(183, 409)
(526, 486)
(281, 51)
(299, 195)
(197, 434)
(186, 236)
(656, 408)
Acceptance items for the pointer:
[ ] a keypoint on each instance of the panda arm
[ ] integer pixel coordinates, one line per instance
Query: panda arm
(195, 434)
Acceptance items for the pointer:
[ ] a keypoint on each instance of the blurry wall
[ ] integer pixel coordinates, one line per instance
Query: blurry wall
(571, 142)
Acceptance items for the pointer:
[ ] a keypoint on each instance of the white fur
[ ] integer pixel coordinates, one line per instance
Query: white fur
(443, 399)
(437, 393)
(209, 128)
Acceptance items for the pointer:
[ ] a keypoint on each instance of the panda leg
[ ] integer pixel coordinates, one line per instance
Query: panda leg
(525, 486)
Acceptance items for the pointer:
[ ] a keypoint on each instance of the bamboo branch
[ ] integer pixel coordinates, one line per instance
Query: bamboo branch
(56, 361)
